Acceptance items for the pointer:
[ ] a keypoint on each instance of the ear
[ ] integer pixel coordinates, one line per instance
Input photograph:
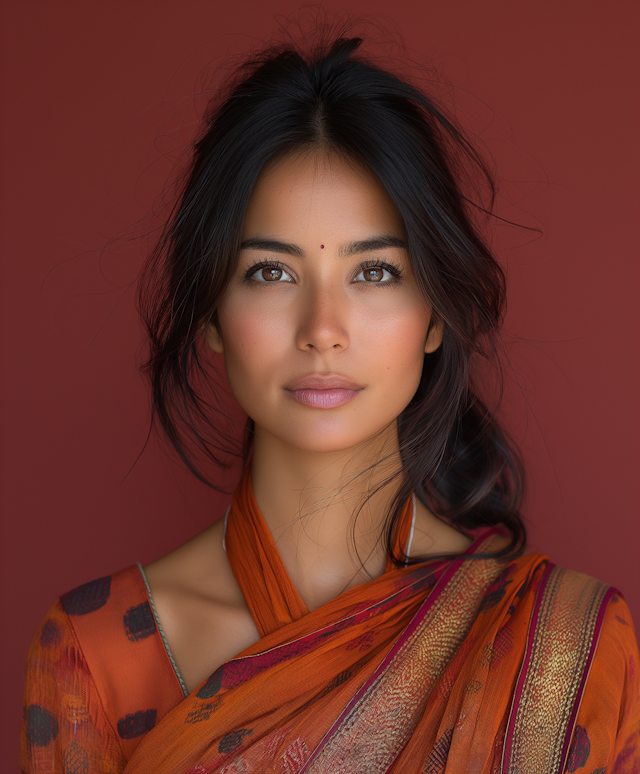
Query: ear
(213, 337)
(434, 335)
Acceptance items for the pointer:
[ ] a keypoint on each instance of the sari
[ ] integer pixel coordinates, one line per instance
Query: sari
(452, 665)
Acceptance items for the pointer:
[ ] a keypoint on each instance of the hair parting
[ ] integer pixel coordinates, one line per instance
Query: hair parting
(328, 97)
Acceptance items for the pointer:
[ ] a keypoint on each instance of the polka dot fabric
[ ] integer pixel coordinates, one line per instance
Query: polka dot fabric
(102, 696)
(98, 679)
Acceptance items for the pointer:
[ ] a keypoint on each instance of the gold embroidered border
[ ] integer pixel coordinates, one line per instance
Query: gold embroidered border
(378, 726)
(559, 655)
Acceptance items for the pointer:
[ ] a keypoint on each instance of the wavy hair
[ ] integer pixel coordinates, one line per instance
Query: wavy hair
(284, 100)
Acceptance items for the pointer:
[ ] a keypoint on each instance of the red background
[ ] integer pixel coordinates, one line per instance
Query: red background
(97, 95)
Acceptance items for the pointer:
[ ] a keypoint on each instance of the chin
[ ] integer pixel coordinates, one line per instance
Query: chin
(327, 437)
(325, 446)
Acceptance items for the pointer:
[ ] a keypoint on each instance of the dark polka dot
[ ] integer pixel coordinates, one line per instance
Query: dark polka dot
(50, 635)
(230, 742)
(87, 598)
(203, 711)
(137, 724)
(42, 727)
(76, 759)
(212, 686)
(580, 749)
(139, 622)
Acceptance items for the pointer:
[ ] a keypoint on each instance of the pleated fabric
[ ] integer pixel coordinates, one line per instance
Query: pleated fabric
(475, 665)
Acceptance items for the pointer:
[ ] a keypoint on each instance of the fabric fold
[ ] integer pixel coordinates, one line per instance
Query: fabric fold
(469, 663)
(266, 586)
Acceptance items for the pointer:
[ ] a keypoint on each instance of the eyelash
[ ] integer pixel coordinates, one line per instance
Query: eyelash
(397, 272)
(247, 276)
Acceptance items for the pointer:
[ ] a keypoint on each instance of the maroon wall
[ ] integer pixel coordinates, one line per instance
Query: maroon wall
(95, 93)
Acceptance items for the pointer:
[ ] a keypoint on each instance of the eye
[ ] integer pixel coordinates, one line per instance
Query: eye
(375, 272)
(268, 272)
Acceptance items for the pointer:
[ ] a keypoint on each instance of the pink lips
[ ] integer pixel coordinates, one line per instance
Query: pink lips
(323, 391)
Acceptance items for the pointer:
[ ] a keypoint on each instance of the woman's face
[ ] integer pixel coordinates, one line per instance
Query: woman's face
(322, 328)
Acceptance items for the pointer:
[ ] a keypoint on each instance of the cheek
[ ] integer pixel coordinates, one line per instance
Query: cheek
(396, 340)
(403, 359)
(386, 352)
(253, 336)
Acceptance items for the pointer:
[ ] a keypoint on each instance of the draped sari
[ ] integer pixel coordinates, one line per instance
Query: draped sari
(452, 665)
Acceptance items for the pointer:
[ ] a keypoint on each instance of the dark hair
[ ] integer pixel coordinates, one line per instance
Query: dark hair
(285, 100)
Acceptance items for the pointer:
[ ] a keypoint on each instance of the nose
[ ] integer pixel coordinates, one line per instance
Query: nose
(323, 320)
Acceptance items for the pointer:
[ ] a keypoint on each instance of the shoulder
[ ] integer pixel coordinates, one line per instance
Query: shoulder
(115, 626)
(607, 733)
(566, 600)
(93, 606)
(100, 598)
(617, 651)
(548, 598)
(108, 613)
(589, 605)
(104, 618)
(580, 620)
(579, 663)
(99, 651)
(580, 616)
(65, 698)
(197, 575)
(196, 568)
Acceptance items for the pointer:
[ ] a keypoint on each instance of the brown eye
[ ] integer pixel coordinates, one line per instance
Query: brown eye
(383, 274)
(271, 274)
(373, 275)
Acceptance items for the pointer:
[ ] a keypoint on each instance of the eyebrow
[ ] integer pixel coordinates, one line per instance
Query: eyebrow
(350, 248)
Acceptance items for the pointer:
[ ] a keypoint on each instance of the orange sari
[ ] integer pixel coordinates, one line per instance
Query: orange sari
(457, 665)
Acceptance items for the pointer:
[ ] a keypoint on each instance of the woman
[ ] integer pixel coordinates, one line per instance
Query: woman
(365, 604)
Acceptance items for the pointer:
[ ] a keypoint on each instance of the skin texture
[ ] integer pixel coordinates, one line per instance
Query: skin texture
(309, 306)
(329, 317)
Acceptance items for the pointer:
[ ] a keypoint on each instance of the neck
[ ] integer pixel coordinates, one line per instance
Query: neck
(313, 506)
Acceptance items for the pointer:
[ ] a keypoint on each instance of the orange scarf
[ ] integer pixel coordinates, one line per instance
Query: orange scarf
(415, 671)
(271, 597)
(461, 665)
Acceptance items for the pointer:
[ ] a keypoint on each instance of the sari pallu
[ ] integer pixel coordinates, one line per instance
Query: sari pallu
(467, 665)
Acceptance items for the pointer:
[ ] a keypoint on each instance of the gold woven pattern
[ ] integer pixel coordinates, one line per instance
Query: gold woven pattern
(376, 729)
(566, 624)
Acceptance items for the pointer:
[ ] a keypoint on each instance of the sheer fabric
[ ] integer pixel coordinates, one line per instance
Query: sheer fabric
(474, 665)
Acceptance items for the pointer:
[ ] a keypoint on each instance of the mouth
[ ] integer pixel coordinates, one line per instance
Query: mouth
(323, 391)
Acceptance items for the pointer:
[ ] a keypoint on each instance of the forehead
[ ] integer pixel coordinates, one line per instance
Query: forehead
(319, 195)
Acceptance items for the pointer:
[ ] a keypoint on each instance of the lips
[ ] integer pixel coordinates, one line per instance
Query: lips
(323, 391)
(323, 382)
